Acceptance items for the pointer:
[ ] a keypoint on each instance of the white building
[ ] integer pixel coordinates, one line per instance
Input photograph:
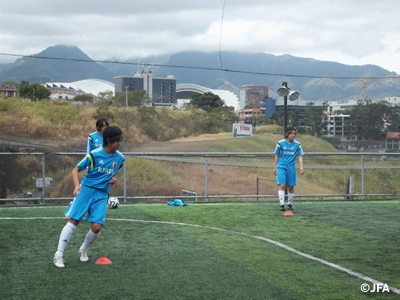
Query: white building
(342, 105)
(338, 126)
(184, 92)
(69, 90)
(393, 100)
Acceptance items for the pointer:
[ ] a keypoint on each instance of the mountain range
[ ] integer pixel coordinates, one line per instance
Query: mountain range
(315, 80)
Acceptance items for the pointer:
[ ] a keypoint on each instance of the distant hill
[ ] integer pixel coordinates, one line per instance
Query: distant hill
(312, 89)
(53, 69)
(307, 75)
(3, 65)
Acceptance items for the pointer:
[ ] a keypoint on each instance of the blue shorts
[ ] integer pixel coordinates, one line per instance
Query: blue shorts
(68, 210)
(90, 201)
(286, 175)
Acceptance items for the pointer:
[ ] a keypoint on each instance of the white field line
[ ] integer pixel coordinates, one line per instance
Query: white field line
(322, 261)
(273, 203)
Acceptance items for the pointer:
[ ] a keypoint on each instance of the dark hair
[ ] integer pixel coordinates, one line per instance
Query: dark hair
(100, 123)
(289, 130)
(111, 134)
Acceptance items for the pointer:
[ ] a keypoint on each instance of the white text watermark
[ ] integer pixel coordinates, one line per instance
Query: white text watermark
(375, 288)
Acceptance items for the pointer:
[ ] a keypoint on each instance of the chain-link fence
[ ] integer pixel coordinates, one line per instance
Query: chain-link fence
(39, 177)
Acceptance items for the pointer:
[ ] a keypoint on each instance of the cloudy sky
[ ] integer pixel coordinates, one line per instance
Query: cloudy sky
(354, 32)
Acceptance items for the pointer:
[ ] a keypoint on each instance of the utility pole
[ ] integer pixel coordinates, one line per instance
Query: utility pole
(126, 95)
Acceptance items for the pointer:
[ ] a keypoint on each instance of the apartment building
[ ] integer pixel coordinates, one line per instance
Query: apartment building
(162, 91)
(253, 96)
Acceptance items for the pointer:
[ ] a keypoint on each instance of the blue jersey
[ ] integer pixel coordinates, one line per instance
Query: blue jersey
(95, 140)
(101, 168)
(288, 152)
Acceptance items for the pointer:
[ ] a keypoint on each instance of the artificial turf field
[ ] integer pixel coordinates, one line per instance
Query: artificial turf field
(327, 250)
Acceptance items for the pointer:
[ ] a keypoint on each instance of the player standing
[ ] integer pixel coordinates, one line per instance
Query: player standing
(95, 140)
(286, 152)
(92, 194)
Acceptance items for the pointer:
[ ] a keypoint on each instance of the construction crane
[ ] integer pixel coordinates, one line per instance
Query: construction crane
(364, 87)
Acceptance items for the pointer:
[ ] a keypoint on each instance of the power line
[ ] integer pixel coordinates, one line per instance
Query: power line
(201, 68)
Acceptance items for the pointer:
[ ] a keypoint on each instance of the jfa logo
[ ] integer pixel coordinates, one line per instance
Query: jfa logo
(244, 128)
(375, 288)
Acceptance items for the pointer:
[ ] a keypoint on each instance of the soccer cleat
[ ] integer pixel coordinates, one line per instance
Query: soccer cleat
(84, 256)
(59, 262)
(290, 207)
(282, 207)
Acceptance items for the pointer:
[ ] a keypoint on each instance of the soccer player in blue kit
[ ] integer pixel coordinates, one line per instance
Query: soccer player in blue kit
(286, 152)
(95, 140)
(92, 193)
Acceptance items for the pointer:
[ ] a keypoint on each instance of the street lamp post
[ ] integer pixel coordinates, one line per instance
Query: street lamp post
(33, 178)
(284, 91)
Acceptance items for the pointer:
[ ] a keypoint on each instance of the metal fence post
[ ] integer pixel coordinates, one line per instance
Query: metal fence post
(206, 178)
(43, 177)
(257, 188)
(125, 182)
(362, 176)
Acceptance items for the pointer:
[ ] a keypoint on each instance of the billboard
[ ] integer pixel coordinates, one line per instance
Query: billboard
(240, 130)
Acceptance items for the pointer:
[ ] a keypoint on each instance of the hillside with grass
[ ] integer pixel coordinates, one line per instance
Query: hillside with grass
(40, 126)
(61, 121)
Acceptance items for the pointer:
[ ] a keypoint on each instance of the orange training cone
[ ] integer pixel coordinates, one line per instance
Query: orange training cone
(288, 213)
(103, 261)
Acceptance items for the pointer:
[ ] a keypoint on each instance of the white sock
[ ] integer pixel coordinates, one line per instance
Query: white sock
(65, 236)
(290, 198)
(89, 240)
(281, 195)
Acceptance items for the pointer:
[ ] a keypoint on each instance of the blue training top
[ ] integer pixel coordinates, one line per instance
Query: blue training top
(101, 168)
(95, 140)
(288, 152)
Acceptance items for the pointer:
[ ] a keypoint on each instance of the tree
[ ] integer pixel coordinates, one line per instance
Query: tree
(368, 120)
(262, 120)
(84, 98)
(106, 95)
(135, 98)
(34, 91)
(202, 122)
(9, 82)
(220, 118)
(392, 118)
(315, 119)
(25, 90)
(278, 118)
(207, 101)
(40, 92)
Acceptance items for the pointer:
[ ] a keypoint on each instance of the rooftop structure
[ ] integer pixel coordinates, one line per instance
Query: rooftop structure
(69, 90)
(184, 91)
(8, 90)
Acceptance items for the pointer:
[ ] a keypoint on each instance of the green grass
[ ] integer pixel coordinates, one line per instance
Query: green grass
(205, 251)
